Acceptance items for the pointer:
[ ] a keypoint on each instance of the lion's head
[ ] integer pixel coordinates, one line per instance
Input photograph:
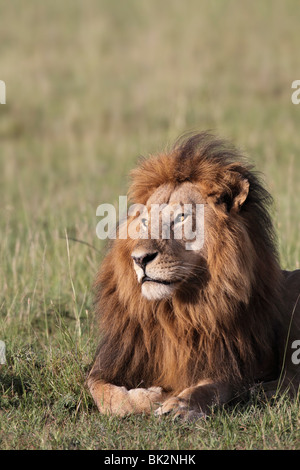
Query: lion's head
(171, 263)
(199, 174)
(168, 311)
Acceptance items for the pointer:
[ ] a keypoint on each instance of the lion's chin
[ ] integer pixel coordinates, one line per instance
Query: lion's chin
(156, 291)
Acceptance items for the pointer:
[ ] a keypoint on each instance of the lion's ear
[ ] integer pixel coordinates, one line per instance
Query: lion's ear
(241, 192)
(232, 195)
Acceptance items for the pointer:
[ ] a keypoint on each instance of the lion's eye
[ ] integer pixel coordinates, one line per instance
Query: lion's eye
(179, 218)
(144, 222)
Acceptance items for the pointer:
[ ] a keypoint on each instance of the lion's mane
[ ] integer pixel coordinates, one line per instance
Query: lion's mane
(223, 329)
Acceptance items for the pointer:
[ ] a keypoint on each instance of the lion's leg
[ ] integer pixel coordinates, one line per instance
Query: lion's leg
(111, 399)
(195, 402)
(288, 385)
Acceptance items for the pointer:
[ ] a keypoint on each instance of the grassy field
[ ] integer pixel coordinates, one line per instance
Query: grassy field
(91, 86)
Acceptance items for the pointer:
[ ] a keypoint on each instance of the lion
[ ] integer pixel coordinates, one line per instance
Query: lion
(185, 330)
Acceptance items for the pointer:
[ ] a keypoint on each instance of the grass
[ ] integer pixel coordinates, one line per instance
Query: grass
(90, 87)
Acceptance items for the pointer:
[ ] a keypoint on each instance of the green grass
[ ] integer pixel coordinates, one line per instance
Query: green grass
(91, 86)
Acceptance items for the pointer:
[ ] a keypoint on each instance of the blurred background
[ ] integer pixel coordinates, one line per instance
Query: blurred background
(91, 86)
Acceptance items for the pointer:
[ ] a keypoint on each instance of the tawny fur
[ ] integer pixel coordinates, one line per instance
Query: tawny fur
(225, 328)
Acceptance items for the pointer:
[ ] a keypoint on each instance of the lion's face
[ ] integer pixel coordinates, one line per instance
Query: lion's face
(168, 261)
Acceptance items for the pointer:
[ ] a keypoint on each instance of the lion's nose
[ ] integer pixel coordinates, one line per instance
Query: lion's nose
(143, 260)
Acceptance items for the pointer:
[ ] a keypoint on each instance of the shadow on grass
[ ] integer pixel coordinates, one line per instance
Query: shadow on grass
(13, 388)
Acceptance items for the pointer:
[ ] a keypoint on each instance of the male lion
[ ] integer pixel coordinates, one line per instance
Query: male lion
(182, 330)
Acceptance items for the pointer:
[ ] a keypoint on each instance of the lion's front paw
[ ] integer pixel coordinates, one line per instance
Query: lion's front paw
(146, 399)
(180, 409)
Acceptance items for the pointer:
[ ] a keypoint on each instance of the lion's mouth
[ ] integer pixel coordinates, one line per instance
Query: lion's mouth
(158, 281)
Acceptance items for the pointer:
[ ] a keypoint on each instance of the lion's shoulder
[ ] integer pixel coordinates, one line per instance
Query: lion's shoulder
(291, 285)
(291, 305)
